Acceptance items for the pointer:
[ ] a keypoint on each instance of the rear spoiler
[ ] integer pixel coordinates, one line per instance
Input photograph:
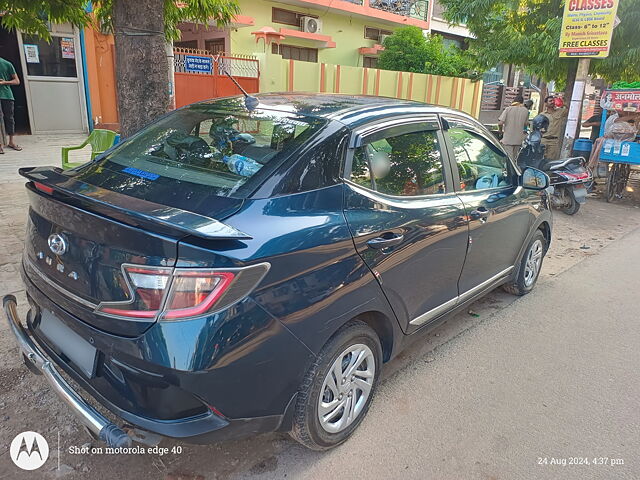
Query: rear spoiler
(143, 210)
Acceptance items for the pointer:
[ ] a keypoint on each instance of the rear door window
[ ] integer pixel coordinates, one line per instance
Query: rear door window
(408, 164)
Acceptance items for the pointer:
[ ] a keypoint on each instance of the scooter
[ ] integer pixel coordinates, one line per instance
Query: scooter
(568, 177)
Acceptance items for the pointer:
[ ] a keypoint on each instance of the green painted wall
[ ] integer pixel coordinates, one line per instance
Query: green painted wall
(346, 31)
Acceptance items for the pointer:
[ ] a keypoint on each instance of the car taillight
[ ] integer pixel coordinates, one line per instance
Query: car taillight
(147, 286)
(195, 292)
(180, 293)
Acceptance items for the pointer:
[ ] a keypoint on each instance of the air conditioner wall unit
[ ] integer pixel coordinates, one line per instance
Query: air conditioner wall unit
(382, 38)
(311, 25)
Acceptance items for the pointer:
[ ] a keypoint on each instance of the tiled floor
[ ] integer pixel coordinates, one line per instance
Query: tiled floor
(38, 150)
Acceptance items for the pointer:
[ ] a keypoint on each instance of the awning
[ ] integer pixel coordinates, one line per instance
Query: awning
(242, 21)
(269, 35)
(322, 41)
(371, 51)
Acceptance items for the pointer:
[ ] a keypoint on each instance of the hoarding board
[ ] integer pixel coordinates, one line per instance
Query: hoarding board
(587, 27)
(625, 100)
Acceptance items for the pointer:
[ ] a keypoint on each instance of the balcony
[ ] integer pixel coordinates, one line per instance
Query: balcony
(390, 12)
(418, 9)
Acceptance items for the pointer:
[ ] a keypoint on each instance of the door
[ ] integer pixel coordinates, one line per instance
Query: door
(9, 51)
(215, 46)
(54, 81)
(499, 218)
(408, 224)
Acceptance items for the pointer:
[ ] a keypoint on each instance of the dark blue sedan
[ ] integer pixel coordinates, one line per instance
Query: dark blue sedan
(228, 271)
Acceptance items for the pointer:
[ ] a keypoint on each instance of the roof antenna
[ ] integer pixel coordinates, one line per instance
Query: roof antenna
(250, 101)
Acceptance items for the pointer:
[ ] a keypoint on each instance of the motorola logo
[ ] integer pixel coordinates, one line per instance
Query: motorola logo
(29, 450)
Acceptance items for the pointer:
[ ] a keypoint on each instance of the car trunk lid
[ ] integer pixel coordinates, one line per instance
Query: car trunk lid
(79, 236)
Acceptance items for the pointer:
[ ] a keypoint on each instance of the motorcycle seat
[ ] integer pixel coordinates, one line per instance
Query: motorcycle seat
(558, 164)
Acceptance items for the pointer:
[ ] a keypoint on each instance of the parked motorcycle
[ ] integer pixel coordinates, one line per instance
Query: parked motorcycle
(569, 177)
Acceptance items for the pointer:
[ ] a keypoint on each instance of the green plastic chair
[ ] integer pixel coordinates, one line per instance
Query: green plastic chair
(100, 140)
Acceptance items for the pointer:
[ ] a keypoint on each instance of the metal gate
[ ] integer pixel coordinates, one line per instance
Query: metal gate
(199, 75)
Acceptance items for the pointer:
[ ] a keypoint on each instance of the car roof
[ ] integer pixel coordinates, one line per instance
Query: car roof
(351, 110)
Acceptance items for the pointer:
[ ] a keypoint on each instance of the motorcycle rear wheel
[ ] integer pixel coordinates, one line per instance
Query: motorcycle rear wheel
(573, 206)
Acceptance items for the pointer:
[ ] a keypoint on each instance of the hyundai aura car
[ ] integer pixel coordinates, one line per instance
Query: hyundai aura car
(230, 270)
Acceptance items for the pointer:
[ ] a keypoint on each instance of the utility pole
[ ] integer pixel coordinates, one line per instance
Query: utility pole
(573, 121)
(171, 75)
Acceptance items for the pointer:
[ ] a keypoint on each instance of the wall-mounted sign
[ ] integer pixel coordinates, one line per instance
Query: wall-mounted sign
(587, 26)
(66, 45)
(31, 53)
(195, 64)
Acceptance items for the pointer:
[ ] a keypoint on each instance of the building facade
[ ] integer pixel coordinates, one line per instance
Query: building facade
(453, 34)
(341, 32)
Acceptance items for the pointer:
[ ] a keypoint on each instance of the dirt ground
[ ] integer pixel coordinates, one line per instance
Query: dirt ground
(26, 402)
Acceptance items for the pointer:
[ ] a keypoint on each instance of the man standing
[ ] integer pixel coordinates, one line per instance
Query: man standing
(8, 77)
(513, 121)
(552, 138)
(594, 121)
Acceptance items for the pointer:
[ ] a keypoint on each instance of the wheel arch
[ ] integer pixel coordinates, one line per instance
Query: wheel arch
(545, 228)
(543, 223)
(382, 325)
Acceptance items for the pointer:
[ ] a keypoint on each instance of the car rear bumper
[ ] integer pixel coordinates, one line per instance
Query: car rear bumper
(99, 425)
(201, 429)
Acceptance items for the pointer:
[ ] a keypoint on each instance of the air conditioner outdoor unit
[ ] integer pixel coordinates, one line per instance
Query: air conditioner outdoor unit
(311, 25)
(382, 38)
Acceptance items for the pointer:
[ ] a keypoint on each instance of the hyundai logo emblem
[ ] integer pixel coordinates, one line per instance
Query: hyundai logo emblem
(57, 244)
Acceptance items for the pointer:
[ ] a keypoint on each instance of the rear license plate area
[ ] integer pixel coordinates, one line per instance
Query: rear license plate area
(81, 353)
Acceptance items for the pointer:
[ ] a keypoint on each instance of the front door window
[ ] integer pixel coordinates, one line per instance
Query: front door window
(481, 164)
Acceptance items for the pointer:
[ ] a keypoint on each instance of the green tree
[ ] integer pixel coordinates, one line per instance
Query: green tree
(527, 33)
(409, 50)
(140, 27)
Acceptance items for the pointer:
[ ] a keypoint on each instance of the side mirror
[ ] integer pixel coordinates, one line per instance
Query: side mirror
(534, 179)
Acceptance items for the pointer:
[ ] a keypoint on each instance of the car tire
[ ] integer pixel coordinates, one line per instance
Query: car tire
(530, 266)
(308, 429)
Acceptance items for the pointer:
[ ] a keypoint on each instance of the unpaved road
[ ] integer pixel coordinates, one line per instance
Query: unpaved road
(551, 375)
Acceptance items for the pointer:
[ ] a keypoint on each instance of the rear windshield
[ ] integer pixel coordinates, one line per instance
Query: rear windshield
(204, 149)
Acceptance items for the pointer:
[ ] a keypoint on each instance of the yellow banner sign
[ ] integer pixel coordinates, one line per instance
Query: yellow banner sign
(587, 26)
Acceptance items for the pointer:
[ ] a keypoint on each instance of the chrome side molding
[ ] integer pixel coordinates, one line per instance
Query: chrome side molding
(448, 305)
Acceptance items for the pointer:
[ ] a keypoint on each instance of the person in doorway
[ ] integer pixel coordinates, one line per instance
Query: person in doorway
(552, 138)
(514, 120)
(8, 77)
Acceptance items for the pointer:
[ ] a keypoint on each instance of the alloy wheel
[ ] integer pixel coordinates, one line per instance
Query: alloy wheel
(534, 260)
(346, 388)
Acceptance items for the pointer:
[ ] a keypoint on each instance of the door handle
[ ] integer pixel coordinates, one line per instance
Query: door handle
(479, 213)
(386, 240)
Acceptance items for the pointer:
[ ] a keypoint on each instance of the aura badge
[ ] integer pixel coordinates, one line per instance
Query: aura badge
(29, 450)
(57, 244)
